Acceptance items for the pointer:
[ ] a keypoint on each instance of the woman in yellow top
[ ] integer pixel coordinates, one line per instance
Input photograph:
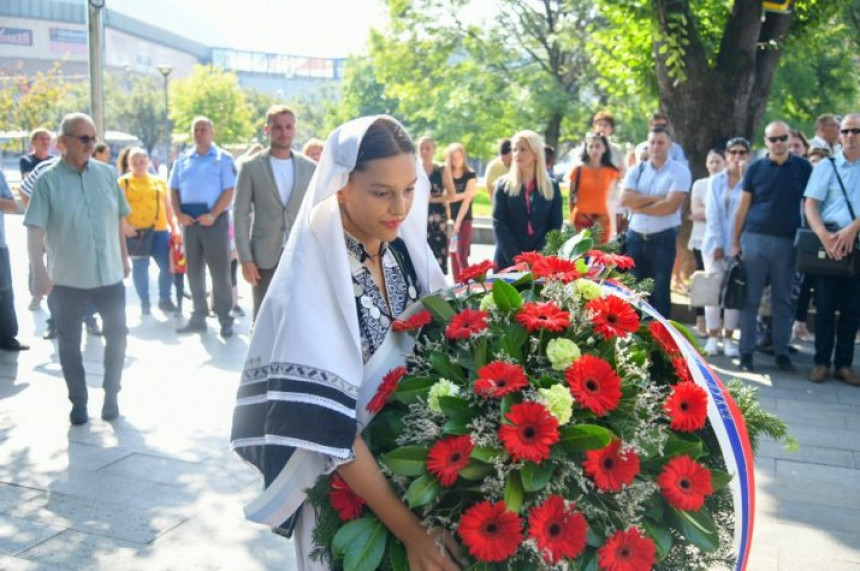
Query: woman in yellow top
(150, 209)
(591, 200)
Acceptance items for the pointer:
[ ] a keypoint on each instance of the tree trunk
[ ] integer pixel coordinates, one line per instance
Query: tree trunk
(726, 99)
(553, 129)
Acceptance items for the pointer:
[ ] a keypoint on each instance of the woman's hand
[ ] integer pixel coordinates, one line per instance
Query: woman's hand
(424, 553)
(128, 230)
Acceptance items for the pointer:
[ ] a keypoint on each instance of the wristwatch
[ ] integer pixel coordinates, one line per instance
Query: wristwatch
(211, 218)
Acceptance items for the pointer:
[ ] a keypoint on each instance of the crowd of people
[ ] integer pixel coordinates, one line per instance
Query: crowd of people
(216, 214)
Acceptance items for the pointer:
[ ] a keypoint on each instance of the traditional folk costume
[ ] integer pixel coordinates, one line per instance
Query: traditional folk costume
(321, 343)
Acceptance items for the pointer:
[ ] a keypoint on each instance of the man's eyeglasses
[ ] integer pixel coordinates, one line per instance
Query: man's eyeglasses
(85, 139)
(780, 138)
(853, 131)
(738, 152)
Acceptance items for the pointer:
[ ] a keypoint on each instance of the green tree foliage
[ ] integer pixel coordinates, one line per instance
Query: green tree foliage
(259, 102)
(216, 94)
(140, 111)
(29, 101)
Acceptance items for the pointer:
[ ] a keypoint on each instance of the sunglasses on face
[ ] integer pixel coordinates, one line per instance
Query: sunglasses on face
(85, 139)
(780, 138)
(853, 131)
(738, 152)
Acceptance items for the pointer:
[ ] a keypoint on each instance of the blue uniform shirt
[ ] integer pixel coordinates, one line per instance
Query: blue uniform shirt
(776, 194)
(203, 178)
(823, 186)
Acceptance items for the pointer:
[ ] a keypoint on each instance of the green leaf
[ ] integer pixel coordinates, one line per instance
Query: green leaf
(411, 389)
(476, 470)
(514, 494)
(362, 544)
(698, 527)
(679, 446)
(582, 437)
(523, 280)
(720, 479)
(589, 560)
(508, 401)
(442, 363)
(422, 491)
(535, 476)
(456, 408)
(660, 534)
(506, 296)
(481, 353)
(487, 454)
(441, 309)
(512, 340)
(397, 556)
(407, 461)
(456, 427)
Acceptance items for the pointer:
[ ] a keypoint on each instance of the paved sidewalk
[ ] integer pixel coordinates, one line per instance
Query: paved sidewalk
(158, 488)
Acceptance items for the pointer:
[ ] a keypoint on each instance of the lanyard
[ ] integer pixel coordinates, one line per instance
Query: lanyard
(530, 189)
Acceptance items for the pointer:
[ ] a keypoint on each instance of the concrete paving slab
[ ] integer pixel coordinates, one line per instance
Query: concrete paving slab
(8, 563)
(808, 454)
(74, 549)
(818, 516)
(18, 535)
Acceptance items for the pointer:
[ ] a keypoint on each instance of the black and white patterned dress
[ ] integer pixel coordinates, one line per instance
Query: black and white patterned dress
(374, 315)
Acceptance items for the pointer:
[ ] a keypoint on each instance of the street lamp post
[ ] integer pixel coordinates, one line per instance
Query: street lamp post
(165, 70)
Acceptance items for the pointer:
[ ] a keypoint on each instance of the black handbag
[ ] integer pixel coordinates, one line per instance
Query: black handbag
(734, 290)
(140, 245)
(812, 258)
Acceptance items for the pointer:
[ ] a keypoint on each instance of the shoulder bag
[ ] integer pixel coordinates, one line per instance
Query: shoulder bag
(811, 256)
(140, 245)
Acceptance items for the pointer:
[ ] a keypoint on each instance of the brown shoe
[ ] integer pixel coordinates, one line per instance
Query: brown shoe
(818, 374)
(847, 376)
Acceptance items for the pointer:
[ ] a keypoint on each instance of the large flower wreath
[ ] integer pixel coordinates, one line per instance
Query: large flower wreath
(551, 420)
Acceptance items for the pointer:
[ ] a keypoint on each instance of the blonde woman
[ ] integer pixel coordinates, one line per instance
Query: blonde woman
(150, 214)
(527, 203)
(465, 184)
(313, 150)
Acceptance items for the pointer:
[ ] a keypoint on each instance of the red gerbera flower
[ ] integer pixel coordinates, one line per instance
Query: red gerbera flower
(558, 529)
(611, 469)
(543, 315)
(685, 483)
(609, 259)
(477, 272)
(414, 323)
(346, 503)
(386, 389)
(490, 531)
(594, 384)
(466, 323)
(687, 407)
(682, 370)
(448, 457)
(527, 258)
(662, 336)
(531, 433)
(555, 268)
(628, 550)
(613, 317)
(499, 378)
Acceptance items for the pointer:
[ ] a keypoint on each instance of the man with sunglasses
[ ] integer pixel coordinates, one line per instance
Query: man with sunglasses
(826, 206)
(767, 218)
(75, 214)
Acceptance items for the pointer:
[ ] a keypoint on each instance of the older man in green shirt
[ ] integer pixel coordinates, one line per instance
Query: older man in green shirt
(75, 213)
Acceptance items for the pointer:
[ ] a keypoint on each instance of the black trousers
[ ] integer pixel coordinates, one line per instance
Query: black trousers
(8, 319)
(110, 303)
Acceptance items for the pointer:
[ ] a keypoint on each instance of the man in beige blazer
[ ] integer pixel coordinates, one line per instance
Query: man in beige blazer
(269, 191)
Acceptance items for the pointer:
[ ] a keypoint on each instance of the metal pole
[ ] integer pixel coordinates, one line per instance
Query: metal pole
(165, 70)
(97, 109)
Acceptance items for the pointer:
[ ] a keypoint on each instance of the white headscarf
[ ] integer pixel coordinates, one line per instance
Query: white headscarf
(296, 407)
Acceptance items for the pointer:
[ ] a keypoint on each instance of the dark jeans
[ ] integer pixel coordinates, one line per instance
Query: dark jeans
(140, 269)
(700, 265)
(8, 319)
(110, 303)
(831, 295)
(654, 255)
(209, 247)
(767, 259)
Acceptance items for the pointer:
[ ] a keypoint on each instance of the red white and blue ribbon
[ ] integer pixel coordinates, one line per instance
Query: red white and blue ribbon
(728, 424)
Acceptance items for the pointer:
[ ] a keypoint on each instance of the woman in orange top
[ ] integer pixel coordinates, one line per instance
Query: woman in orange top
(591, 185)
